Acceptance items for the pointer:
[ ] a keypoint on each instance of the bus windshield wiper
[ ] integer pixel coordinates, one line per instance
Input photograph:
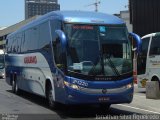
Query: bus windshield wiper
(93, 69)
(113, 67)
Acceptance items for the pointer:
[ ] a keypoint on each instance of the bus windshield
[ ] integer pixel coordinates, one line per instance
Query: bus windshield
(99, 50)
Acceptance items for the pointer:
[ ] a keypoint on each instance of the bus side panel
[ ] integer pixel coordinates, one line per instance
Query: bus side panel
(31, 80)
(56, 76)
(8, 69)
(153, 67)
(31, 73)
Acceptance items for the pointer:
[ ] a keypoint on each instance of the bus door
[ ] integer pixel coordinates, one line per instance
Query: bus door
(59, 59)
(142, 63)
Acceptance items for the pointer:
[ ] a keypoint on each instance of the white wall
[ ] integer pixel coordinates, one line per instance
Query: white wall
(126, 17)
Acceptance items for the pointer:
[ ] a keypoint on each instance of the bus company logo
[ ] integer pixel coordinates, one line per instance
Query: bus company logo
(104, 91)
(30, 60)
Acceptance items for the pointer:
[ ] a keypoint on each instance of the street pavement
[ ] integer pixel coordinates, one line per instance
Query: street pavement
(28, 106)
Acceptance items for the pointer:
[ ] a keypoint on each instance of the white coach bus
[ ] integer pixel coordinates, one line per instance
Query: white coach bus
(148, 65)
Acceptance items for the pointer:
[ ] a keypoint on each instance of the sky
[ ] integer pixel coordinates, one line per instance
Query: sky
(12, 11)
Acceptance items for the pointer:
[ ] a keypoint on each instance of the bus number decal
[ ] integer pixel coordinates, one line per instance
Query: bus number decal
(81, 83)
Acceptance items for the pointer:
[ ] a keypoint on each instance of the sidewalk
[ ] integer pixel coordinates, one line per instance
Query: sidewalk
(141, 101)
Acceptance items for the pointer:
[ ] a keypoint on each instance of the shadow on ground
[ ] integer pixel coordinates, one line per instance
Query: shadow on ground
(78, 111)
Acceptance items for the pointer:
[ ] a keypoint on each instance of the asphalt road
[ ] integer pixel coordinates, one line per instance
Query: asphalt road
(31, 107)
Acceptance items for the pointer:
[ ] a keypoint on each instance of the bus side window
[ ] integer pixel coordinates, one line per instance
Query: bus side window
(44, 37)
(6, 46)
(155, 46)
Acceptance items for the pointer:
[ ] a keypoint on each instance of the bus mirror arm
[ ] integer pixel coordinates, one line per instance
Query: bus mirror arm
(136, 42)
(134, 49)
(62, 38)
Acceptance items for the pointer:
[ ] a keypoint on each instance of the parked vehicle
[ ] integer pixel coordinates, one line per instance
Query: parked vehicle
(149, 60)
(2, 67)
(73, 57)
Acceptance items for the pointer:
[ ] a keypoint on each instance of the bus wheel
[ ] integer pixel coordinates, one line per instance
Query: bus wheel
(15, 88)
(156, 79)
(52, 104)
(104, 107)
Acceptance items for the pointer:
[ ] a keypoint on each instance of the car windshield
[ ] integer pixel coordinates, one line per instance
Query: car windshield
(98, 50)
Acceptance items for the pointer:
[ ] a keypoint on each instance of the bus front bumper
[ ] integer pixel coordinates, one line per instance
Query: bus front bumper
(99, 96)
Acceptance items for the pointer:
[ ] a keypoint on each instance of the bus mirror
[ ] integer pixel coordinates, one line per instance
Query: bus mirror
(135, 42)
(61, 38)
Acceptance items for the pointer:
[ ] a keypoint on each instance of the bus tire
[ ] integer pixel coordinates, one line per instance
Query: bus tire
(51, 103)
(104, 107)
(15, 88)
(156, 79)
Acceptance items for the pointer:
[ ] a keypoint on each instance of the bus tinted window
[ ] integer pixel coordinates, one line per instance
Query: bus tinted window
(44, 35)
(145, 44)
(27, 38)
(14, 44)
(155, 46)
(142, 59)
(55, 25)
(31, 36)
(34, 39)
(22, 42)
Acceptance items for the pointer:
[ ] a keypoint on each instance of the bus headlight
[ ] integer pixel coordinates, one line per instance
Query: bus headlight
(129, 86)
(66, 84)
(73, 86)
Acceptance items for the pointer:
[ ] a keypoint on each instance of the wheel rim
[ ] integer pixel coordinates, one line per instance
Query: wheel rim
(50, 98)
(13, 86)
(16, 87)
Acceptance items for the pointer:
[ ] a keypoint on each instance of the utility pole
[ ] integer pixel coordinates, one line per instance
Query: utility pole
(96, 5)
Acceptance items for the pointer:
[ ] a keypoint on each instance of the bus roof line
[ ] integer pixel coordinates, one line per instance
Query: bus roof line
(76, 16)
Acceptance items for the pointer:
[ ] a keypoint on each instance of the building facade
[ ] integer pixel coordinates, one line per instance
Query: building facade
(126, 17)
(145, 16)
(40, 7)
